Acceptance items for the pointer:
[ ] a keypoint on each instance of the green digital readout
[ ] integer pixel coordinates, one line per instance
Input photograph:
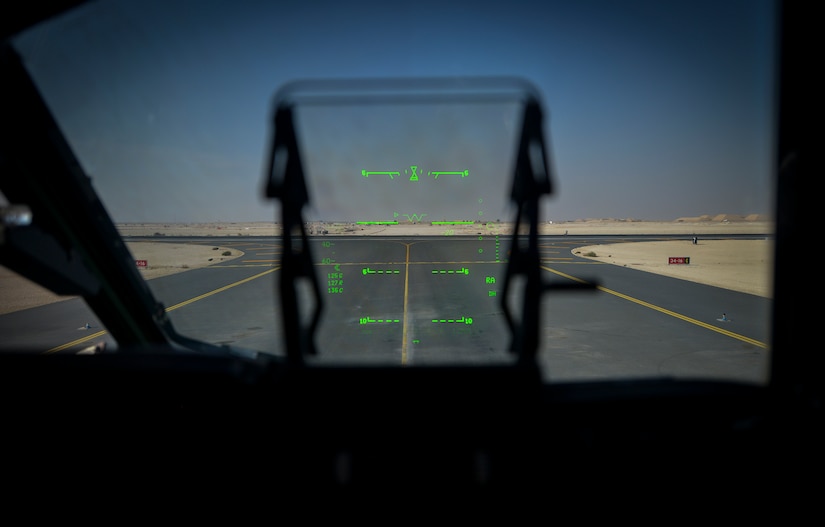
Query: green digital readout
(370, 320)
(463, 174)
(413, 172)
(365, 271)
(462, 320)
(392, 175)
(463, 270)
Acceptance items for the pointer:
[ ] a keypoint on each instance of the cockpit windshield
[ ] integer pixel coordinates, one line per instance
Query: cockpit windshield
(589, 185)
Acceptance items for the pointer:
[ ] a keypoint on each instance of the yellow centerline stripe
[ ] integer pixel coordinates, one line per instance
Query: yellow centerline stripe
(665, 311)
(168, 309)
(76, 342)
(406, 290)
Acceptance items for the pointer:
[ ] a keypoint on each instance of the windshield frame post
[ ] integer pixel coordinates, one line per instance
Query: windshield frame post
(287, 184)
(531, 181)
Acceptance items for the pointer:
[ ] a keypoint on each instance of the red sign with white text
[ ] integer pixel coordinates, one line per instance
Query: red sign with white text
(678, 260)
(142, 264)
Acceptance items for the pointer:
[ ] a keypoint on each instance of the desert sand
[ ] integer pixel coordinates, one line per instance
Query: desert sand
(741, 265)
(700, 225)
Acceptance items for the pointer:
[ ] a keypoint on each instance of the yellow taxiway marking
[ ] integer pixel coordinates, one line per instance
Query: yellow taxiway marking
(663, 310)
(171, 308)
(406, 290)
(76, 342)
(220, 289)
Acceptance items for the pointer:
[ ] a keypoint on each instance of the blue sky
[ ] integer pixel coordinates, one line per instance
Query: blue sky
(654, 110)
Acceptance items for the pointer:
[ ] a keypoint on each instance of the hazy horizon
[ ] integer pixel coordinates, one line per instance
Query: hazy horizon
(404, 221)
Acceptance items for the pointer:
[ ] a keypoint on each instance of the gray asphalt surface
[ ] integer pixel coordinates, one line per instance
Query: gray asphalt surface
(439, 300)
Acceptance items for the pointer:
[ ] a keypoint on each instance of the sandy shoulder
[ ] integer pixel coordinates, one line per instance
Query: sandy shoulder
(162, 259)
(739, 265)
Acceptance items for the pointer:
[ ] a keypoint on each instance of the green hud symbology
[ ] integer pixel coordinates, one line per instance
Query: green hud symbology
(413, 173)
